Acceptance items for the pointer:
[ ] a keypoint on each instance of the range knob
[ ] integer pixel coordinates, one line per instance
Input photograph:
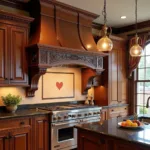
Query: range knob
(79, 115)
(98, 112)
(94, 113)
(69, 116)
(66, 117)
(73, 116)
(89, 114)
(59, 118)
(85, 114)
(54, 118)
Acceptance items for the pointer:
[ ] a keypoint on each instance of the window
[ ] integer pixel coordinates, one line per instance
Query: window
(143, 82)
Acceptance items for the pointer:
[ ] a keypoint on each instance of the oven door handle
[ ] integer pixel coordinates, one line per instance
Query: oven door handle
(65, 123)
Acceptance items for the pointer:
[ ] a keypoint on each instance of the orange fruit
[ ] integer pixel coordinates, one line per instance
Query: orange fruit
(123, 123)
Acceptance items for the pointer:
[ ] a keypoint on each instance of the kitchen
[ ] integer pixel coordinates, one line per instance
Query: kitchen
(50, 59)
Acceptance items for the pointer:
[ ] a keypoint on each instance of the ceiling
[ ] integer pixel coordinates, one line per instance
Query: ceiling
(115, 9)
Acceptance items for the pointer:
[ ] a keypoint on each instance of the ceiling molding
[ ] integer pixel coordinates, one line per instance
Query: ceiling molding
(18, 4)
(99, 27)
(129, 28)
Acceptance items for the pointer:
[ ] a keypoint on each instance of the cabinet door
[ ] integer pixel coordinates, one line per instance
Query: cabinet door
(4, 143)
(41, 133)
(20, 139)
(18, 70)
(90, 142)
(113, 76)
(122, 76)
(3, 55)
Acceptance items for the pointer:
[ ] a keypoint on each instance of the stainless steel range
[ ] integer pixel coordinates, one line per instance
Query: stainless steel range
(62, 122)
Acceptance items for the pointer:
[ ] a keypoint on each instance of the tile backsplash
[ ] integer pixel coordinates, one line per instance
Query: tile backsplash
(38, 94)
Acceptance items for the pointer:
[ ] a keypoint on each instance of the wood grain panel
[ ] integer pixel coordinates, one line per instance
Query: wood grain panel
(18, 57)
(21, 139)
(3, 54)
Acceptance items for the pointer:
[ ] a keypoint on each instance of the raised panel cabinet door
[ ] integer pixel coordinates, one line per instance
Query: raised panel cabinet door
(3, 55)
(122, 79)
(18, 70)
(21, 139)
(90, 141)
(4, 141)
(113, 76)
(41, 133)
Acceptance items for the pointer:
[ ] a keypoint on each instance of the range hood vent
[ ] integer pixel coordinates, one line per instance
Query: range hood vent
(60, 35)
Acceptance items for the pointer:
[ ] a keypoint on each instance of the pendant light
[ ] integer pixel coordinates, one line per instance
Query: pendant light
(136, 50)
(104, 44)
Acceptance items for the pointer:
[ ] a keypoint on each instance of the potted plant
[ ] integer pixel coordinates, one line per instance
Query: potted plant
(11, 102)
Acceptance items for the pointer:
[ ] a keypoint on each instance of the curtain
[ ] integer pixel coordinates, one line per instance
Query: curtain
(134, 61)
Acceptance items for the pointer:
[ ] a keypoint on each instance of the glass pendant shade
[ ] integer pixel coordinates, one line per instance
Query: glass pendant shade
(136, 50)
(104, 44)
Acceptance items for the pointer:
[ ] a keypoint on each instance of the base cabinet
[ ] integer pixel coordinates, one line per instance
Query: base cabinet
(94, 141)
(41, 133)
(28, 133)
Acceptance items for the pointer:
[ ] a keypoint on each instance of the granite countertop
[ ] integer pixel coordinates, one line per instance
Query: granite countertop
(22, 113)
(111, 128)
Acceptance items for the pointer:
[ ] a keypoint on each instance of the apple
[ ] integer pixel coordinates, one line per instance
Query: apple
(136, 121)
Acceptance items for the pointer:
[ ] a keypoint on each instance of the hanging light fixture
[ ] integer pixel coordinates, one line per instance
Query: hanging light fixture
(104, 44)
(136, 50)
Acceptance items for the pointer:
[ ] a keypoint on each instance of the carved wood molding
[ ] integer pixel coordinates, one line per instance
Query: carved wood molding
(15, 17)
(42, 57)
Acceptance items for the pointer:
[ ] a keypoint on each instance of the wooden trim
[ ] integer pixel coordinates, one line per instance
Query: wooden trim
(18, 4)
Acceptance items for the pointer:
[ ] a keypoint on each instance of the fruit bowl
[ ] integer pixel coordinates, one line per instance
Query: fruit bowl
(135, 124)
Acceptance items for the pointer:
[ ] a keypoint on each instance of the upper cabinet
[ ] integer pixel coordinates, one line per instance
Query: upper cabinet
(13, 40)
(114, 81)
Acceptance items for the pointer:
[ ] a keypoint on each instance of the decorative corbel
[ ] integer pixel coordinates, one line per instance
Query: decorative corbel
(34, 75)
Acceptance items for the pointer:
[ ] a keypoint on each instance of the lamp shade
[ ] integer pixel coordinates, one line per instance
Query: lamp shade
(136, 50)
(104, 44)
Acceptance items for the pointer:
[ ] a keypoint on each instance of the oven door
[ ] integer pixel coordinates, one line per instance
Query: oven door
(63, 136)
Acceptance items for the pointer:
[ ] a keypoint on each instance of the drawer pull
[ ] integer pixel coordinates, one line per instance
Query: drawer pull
(125, 108)
(22, 123)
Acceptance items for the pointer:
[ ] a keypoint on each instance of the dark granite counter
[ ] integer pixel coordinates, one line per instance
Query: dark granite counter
(22, 113)
(111, 128)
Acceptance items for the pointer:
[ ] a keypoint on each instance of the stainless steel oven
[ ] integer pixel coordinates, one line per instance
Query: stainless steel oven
(63, 136)
(62, 121)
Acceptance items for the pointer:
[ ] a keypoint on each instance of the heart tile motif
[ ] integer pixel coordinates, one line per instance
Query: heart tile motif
(59, 85)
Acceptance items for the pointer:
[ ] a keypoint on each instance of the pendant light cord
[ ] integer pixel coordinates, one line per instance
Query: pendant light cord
(104, 13)
(136, 17)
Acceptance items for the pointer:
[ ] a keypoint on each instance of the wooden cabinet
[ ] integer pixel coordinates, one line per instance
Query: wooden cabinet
(117, 69)
(15, 134)
(114, 88)
(29, 133)
(13, 40)
(41, 133)
(118, 112)
(88, 141)
(96, 141)
(18, 63)
(3, 55)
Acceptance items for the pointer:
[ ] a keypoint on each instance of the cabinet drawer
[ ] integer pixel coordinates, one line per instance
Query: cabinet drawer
(11, 123)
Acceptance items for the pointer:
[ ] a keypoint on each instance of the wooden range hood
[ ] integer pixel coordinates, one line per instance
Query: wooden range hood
(60, 35)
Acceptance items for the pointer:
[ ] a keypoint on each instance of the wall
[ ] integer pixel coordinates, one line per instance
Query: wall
(38, 94)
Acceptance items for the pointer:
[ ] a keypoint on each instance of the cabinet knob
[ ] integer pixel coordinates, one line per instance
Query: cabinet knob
(22, 123)
(112, 110)
(11, 78)
(6, 78)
